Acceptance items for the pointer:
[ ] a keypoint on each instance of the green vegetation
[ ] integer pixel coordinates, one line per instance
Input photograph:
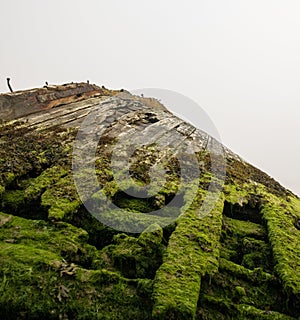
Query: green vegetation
(280, 217)
(38, 281)
(257, 267)
(192, 253)
(57, 261)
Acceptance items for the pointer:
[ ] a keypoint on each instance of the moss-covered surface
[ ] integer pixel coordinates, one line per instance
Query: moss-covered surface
(192, 252)
(57, 261)
(135, 257)
(259, 258)
(44, 276)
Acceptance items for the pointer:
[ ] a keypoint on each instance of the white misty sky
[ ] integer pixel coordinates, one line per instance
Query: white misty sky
(239, 60)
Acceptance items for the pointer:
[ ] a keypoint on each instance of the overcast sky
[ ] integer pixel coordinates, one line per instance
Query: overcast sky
(239, 60)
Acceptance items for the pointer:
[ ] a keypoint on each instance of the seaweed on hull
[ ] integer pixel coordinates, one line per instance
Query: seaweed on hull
(58, 261)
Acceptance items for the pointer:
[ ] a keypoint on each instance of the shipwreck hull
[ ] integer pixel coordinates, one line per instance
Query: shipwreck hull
(60, 260)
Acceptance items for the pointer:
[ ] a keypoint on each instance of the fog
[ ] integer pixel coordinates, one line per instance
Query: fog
(238, 60)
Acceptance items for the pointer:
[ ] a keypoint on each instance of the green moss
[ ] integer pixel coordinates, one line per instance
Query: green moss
(26, 153)
(257, 275)
(244, 228)
(44, 181)
(233, 269)
(2, 189)
(246, 286)
(151, 237)
(192, 252)
(13, 200)
(244, 242)
(9, 177)
(240, 291)
(135, 205)
(250, 312)
(219, 308)
(236, 194)
(61, 199)
(131, 221)
(25, 201)
(284, 238)
(135, 257)
(256, 253)
(43, 275)
(61, 237)
(234, 286)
